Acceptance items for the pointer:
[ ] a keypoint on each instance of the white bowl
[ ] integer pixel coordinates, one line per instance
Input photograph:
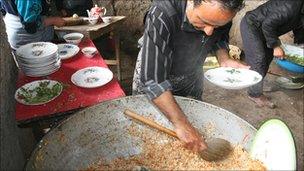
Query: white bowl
(74, 38)
(93, 20)
(107, 19)
(89, 51)
(232, 78)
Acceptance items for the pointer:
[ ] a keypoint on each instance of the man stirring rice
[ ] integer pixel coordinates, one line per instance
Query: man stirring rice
(177, 38)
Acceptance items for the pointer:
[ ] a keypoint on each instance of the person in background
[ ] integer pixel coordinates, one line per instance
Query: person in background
(70, 7)
(260, 30)
(27, 21)
(177, 38)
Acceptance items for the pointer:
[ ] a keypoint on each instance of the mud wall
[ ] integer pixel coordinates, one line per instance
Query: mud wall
(16, 143)
(11, 154)
(135, 10)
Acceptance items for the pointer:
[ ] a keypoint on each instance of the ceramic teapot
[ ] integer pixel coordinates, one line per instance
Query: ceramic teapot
(98, 11)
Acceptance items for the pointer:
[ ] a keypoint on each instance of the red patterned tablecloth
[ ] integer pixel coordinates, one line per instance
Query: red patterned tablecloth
(72, 97)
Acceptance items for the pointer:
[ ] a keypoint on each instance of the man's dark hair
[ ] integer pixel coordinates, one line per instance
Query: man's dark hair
(231, 5)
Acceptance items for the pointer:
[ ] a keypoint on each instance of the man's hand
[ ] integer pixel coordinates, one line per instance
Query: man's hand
(233, 63)
(58, 21)
(191, 138)
(54, 21)
(226, 61)
(278, 52)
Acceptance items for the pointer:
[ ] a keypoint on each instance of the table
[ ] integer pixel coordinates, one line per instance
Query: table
(72, 97)
(97, 30)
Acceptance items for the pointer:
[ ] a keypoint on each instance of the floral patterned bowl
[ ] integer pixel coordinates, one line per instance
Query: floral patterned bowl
(232, 78)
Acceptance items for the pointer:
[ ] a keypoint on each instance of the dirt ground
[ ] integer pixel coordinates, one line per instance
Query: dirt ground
(289, 102)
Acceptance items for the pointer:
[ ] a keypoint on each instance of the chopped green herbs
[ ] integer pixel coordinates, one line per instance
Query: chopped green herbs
(230, 80)
(296, 59)
(91, 70)
(255, 79)
(91, 79)
(233, 71)
(40, 94)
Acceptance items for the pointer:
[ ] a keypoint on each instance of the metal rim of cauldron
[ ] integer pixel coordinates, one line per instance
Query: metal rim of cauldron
(66, 121)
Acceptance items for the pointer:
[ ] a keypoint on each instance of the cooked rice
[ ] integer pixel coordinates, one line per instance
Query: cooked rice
(170, 155)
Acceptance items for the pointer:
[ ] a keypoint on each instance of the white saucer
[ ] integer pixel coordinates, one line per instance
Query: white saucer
(92, 77)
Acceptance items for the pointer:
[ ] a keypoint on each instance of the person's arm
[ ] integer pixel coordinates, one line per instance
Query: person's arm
(225, 61)
(269, 28)
(191, 138)
(54, 21)
(221, 49)
(30, 12)
(156, 64)
(274, 21)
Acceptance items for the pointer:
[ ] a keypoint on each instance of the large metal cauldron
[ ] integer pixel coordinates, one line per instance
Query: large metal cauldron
(101, 132)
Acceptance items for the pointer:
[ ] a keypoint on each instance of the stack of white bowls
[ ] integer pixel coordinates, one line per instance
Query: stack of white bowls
(38, 59)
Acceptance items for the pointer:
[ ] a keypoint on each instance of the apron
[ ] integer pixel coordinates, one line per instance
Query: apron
(17, 35)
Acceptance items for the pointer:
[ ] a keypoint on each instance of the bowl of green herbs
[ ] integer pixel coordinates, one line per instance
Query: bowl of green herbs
(294, 59)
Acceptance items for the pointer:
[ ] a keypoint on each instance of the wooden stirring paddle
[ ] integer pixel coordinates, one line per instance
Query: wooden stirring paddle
(217, 149)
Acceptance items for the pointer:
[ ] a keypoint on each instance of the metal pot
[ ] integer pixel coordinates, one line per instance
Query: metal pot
(101, 131)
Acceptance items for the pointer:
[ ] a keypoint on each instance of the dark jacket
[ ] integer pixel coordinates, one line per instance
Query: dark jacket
(78, 7)
(277, 17)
